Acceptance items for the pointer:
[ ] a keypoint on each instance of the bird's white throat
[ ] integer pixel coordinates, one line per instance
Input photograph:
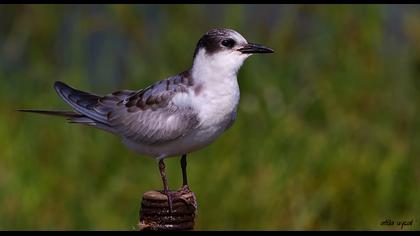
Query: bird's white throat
(216, 75)
(218, 66)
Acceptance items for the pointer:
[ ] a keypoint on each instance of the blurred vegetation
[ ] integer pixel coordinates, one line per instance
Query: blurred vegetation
(327, 135)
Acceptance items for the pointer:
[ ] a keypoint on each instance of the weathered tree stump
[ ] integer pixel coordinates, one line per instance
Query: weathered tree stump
(155, 215)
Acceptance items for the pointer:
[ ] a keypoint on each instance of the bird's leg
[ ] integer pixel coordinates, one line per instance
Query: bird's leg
(184, 171)
(185, 188)
(165, 183)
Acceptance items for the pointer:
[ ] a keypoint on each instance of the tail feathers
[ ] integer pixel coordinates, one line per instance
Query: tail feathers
(67, 114)
(82, 120)
(83, 103)
(73, 118)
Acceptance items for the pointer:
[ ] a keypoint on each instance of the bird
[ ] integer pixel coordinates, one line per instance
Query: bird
(175, 116)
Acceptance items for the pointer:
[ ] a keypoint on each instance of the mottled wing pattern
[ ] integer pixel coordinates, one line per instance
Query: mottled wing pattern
(147, 116)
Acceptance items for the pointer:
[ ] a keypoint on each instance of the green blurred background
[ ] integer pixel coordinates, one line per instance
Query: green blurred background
(327, 135)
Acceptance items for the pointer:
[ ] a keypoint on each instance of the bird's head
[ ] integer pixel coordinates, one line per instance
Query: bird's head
(225, 50)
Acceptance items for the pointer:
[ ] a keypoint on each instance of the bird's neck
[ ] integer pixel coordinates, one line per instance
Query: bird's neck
(209, 69)
(216, 88)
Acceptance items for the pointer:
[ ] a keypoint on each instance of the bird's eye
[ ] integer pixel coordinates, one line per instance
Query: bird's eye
(229, 43)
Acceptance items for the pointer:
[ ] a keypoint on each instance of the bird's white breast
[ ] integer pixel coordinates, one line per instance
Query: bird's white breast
(218, 93)
(216, 102)
(214, 96)
(215, 106)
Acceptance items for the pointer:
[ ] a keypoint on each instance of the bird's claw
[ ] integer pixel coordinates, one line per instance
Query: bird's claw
(185, 189)
(172, 196)
(169, 195)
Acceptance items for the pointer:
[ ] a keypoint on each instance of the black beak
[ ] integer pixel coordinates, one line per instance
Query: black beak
(255, 48)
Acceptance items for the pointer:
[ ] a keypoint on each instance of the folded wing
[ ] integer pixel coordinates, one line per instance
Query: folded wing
(147, 116)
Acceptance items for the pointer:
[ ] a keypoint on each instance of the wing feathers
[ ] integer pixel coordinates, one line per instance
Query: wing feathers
(147, 116)
(82, 102)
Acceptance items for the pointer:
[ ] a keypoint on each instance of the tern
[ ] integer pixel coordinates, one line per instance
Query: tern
(174, 116)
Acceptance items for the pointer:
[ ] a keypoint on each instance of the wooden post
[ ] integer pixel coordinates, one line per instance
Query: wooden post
(155, 215)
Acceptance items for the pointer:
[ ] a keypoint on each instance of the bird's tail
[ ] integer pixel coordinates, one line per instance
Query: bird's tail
(72, 117)
(84, 103)
(67, 114)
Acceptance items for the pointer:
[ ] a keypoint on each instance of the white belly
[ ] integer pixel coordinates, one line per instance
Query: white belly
(215, 103)
(216, 113)
(196, 140)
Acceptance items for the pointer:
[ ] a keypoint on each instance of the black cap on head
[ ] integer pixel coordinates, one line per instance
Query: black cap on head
(219, 39)
(212, 40)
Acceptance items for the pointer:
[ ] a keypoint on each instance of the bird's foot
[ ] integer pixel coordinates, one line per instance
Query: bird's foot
(175, 195)
(171, 197)
(185, 189)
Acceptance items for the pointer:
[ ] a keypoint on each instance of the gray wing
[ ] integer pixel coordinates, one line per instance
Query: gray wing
(147, 116)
